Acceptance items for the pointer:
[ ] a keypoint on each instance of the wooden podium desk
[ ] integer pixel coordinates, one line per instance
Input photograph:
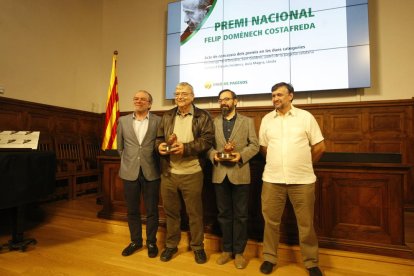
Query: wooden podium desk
(111, 191)
(360, 207)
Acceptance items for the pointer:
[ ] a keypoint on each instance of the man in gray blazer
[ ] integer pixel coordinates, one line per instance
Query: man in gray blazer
(234, 134)
(139, 171)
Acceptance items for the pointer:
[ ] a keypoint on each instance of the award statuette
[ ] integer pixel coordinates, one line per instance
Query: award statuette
(227, 152)
(172, 139)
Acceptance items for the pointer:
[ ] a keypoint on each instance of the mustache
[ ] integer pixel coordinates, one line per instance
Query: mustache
(225, 109)
(192, 26)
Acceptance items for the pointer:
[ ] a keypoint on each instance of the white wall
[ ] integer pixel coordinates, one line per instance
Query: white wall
(59, 52)
(49, 51)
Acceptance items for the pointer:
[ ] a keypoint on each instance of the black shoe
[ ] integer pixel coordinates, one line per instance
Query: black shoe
(131, 248)
(200, 256)
(266, 267)
(168, 253)
(152, 250)
(314, 271)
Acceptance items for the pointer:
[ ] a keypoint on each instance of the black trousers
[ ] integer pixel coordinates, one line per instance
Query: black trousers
(232, 204)
(150, 194)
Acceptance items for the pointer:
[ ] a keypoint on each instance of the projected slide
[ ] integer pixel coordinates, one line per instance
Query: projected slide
(248, 46)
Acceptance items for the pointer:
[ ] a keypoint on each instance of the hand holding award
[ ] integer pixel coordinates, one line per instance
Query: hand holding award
(227, 151)
(172, 139)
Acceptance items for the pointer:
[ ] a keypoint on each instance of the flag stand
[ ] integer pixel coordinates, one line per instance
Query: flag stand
(110, 153)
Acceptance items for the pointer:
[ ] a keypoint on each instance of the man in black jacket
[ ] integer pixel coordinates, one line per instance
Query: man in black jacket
(181, 171)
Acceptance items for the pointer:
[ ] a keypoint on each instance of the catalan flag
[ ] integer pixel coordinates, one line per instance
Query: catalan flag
(112, 110)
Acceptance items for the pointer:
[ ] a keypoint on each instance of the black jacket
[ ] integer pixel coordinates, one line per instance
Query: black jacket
(203, 132)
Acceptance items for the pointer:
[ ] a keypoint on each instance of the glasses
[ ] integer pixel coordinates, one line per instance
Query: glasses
(182, 95)
(224, 100)
(140, 99)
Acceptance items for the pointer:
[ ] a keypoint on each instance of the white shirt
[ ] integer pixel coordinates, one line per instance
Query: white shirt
(288, 139)
(140, 127)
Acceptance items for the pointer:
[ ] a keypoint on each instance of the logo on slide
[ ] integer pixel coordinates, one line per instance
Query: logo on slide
(208, 85)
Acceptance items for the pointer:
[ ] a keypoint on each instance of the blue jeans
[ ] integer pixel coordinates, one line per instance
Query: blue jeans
(232, 204)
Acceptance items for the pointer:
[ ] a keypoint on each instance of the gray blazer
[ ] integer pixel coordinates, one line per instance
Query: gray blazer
(246, 143)
(135, 156)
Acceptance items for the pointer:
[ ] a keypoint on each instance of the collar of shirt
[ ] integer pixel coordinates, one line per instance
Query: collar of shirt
(191, 112)
(291, 112)
(232, 119)
(145, 118)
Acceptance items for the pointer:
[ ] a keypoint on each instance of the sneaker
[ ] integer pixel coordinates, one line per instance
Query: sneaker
(224, 258)
(240, 261)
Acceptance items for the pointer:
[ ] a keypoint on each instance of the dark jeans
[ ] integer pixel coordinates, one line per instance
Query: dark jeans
(232, 204)
(150, 193)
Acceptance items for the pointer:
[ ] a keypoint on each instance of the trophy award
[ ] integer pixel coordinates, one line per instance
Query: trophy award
(226, 154)
(172, 139)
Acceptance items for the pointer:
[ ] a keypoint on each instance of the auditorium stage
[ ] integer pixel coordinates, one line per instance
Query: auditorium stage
(73, 241)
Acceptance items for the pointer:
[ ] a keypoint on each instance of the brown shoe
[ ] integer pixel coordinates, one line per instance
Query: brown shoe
(240, 261)
(224, 258)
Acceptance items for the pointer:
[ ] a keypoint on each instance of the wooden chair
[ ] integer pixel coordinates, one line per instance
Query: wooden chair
(91, 150)
(87, 180)
(69, 160)
(46, 142)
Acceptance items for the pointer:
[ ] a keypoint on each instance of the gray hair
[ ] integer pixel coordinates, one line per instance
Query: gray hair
(185, 84)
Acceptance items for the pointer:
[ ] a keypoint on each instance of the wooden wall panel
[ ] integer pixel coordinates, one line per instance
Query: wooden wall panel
(390, 123)
(348, 146)
(11, 120)
(388, 146)
(348, 123)
(321, 122)
(90, 126)
(378, 126)
(66, 124)
(40, 121)
(22, 115)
